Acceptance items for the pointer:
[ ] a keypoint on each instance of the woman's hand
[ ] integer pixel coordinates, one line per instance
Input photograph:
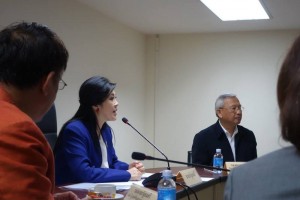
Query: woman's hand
(135, 174)
(137, 164)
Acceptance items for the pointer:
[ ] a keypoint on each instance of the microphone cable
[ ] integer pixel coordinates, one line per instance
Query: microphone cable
(186, 188)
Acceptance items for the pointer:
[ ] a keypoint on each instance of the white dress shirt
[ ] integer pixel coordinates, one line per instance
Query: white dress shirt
(231, 139)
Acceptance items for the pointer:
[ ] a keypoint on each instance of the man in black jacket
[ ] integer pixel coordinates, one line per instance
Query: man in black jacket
(237, 143)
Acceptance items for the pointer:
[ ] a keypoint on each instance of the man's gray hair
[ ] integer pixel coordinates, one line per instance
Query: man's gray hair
(220, 100)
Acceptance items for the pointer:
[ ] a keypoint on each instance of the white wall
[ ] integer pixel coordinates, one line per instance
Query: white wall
(166, 86)
(97, 46)
(193, 69)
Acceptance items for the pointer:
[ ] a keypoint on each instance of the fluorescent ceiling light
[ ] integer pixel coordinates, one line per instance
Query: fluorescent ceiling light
(230, 10)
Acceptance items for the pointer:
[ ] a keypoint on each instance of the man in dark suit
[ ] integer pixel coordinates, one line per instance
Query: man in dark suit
(237, 143)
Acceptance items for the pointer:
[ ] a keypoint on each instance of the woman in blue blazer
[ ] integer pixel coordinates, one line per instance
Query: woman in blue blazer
(84, 151)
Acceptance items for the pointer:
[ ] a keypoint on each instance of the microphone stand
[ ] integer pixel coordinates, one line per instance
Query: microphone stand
(184, 163)
(153, 180)
(126, 122)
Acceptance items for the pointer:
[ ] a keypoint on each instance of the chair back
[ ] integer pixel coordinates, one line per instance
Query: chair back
(48, 125)
(189, 157)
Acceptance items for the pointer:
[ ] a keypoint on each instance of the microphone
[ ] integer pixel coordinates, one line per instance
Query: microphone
(152, 181)
(125, 120)
(142, 156)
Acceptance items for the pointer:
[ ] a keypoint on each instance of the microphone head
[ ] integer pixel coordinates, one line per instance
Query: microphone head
(125, 120)
(138, 156)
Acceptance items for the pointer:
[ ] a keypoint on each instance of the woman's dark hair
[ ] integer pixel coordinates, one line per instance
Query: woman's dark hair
(94, 91)
(288, 95)
(28, 52)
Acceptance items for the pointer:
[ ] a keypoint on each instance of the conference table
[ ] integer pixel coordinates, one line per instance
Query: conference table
(212, 189)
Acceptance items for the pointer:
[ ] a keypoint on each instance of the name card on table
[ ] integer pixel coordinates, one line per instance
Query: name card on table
(138, 192)
(189, 176)
(231, 165)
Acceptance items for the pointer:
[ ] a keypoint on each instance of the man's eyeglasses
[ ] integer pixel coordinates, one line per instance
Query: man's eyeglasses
(61, 84)
(234, 108)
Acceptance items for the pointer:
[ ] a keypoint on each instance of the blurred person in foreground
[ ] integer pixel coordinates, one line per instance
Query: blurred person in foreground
(238, 144)
(84, 151)
(32, 62)
(275, 175)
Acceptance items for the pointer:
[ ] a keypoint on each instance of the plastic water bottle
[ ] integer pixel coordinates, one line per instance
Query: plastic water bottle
(218, 161)
(166, 188)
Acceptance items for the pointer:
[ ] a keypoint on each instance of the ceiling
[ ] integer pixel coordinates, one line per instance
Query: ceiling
(192, 16)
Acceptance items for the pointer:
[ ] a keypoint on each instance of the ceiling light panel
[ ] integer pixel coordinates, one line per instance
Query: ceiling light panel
(231, 10)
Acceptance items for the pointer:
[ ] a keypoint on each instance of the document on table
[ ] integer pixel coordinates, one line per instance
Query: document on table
(206, 179)
(119, 185)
